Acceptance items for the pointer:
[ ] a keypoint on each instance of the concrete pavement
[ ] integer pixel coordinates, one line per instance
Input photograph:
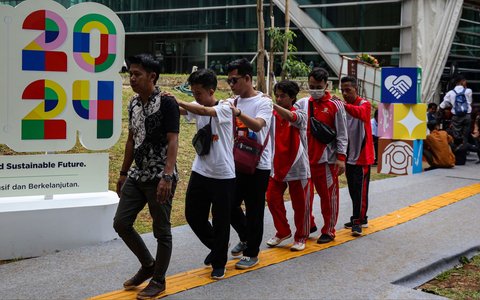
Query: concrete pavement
(385, 264)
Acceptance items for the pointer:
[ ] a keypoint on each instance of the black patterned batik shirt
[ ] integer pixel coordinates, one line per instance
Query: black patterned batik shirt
(149, 125)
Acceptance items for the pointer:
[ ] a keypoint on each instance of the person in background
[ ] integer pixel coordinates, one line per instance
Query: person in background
(152, 142)
(290, 167)
(437, 148)
(253, 113)
(360, 154)
(431, 111)
(461, 122)
(374, 124)
(327, 161)
(212, 181)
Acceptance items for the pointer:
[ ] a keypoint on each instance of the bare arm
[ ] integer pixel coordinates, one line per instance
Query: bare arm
(127, 162)
(197, 109)
(284, 113)
(164, 188)
(255, 124)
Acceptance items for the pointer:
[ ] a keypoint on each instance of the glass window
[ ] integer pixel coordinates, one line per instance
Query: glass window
(366, 40)
(357, 15)
(244, 41)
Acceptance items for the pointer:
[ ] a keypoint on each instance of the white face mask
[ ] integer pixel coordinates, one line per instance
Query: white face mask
(317, 94)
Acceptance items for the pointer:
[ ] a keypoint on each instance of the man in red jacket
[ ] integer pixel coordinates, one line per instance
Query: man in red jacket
(327, 161)
(360, 153)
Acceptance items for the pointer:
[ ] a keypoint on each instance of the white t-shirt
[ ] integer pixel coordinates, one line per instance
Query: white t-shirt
(451, 95)
(258, 106)
(218, 163)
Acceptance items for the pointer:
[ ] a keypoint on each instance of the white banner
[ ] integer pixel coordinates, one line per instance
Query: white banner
(26, 175)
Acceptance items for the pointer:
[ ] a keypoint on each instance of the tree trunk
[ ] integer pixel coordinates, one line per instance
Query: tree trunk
(271, 54)
(261, 48)
(285, 45)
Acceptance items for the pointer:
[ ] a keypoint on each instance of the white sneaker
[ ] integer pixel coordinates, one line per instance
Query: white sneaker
(275, 241)
(297, 246)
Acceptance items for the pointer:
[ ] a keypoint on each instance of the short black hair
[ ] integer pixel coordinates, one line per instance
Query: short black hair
(350, 79)
(242, 65)
(459, 78)
(432, 105)
(289, 87)
(319, 74)
(148, 62)
(206, 78)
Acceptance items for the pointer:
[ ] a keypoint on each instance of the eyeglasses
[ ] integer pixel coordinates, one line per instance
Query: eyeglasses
(234, 80)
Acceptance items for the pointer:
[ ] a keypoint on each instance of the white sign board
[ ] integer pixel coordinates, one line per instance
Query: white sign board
(59, 76)
(369, 78)
(26, 175)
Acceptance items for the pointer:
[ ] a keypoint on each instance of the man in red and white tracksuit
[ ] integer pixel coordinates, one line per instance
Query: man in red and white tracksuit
(290, 167)
(327, 161)
(360, 154)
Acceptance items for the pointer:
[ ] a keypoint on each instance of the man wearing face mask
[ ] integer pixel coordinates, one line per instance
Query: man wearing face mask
(327, 161)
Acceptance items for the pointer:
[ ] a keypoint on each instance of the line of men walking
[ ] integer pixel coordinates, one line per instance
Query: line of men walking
(291, 156)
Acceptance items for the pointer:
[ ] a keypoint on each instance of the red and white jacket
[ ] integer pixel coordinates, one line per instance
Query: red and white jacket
(360, 140)
(332, 113)
(290, 156)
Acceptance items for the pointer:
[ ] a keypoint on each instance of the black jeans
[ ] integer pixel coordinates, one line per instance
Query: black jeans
(358, 179)
(249, 225)
(135, 195)
(203, 193)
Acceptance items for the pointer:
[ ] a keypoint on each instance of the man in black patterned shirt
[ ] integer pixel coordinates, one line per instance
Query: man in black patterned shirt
(153, 144)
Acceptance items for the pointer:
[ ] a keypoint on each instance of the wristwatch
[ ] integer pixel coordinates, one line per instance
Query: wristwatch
(167, 178)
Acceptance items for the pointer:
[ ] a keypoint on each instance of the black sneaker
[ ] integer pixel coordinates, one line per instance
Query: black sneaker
(238, 249)
(313, 229)
(152, 290)
(349, 224)
(357, 230)
(324, 238)
(143, 274)
(218, 273)
(208, 259)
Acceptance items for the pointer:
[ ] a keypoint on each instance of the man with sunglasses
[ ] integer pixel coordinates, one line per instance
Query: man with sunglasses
(253, 113)
(327, 161)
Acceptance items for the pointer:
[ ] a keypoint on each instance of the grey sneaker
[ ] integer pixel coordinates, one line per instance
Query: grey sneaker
(246, 262)
(238, 249)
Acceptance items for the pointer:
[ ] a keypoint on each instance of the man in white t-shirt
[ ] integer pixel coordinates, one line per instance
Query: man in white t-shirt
(212, 181)
(461, 122)
(254, 116)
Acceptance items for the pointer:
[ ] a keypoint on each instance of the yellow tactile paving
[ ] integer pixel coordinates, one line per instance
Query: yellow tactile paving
(199, 277)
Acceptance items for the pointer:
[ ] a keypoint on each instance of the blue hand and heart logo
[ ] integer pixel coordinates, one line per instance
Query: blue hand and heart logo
(399, 85)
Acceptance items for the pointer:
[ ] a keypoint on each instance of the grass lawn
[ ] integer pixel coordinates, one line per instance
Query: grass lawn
(186, 152)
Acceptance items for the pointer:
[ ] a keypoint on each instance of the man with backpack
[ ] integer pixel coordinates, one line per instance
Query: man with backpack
(460, 100)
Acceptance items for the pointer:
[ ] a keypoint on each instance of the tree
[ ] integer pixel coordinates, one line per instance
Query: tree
(292, 67)
(271, 54)
(261, 48)
(286, 41)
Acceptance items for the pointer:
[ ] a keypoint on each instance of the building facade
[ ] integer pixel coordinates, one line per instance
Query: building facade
(441, 36)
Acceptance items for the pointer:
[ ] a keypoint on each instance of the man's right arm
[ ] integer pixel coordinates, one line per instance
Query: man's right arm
(127, 162)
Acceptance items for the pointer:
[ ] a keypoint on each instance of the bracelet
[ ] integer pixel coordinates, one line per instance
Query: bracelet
(239, 113)
(123, 173)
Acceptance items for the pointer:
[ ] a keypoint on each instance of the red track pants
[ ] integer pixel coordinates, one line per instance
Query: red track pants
(300, 191)
(325, 180)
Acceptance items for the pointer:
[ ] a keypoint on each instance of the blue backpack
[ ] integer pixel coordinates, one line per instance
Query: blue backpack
(461, 105)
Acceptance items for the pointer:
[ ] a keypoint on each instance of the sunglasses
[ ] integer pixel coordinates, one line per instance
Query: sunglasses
(234, 80)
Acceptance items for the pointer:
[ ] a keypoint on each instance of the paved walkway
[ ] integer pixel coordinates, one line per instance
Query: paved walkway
(386, 263)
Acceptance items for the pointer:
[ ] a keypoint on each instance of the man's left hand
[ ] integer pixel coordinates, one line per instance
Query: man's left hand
(340, 167)
(164, 191)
